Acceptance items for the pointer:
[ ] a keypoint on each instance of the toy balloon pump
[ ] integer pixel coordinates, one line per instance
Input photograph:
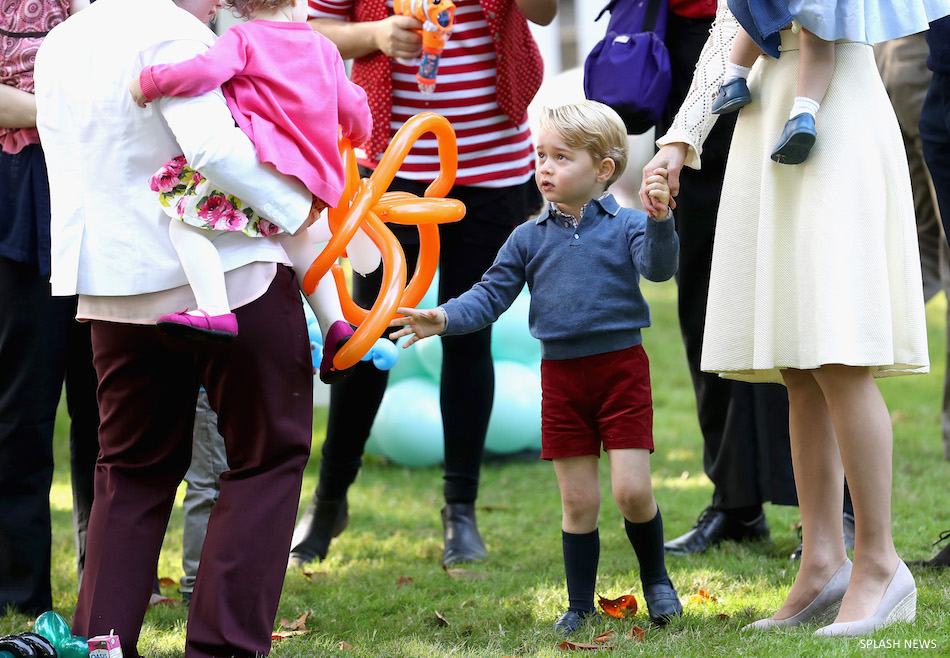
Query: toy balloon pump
(437, 18)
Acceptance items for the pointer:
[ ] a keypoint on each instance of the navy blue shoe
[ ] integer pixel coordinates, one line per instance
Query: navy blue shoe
(796, 141)
(570, 621)
(731, 96)
(663, 602)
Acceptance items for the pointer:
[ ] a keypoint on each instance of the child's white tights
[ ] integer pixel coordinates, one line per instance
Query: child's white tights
(324, 301)
(202, 264)
(203, 268)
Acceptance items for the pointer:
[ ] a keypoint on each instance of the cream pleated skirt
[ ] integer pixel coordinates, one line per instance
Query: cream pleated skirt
(816, 263)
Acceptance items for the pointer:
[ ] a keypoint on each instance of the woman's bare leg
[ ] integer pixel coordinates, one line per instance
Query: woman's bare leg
(865, 440)
(819, 479)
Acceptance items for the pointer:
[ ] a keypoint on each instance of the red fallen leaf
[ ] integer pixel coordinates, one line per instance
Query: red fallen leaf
(442, 621)
(315, 574)
(462, 573)
(580, 646)
(300, 623)
(724, 617)
(636, 633)
(164, 601)
(166, 582)
(346, 647)
(283, 635)
(625, 606)
(605, 637)
(403, 580)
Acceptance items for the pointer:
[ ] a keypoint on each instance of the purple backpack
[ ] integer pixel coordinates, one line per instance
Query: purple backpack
(629, 69)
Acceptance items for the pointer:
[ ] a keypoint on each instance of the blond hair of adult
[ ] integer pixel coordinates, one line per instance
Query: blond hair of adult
(592, 127)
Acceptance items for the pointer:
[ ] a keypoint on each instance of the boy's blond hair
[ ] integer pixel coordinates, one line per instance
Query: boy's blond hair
(592, 127)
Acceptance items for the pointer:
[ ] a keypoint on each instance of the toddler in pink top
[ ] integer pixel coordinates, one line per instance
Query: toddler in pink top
(288, 91)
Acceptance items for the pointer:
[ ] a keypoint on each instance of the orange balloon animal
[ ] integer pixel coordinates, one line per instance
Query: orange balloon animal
(364, 205)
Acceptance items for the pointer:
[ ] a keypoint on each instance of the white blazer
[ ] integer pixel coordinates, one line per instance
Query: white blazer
(109, 235)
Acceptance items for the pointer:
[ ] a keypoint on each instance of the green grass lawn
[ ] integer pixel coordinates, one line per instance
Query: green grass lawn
(383, 592)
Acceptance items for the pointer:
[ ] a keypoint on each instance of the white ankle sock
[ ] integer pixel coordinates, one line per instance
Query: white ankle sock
(804, 104)
(734, 71)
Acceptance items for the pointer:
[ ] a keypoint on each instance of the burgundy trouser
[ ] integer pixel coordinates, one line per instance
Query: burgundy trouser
(260, 386)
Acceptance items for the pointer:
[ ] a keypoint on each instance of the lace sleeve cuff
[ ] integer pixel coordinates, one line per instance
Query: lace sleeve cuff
(694, 120)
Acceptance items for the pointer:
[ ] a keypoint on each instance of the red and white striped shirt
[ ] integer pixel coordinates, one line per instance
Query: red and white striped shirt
(494, 151)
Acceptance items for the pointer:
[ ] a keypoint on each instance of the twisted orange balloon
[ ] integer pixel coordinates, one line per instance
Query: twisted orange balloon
(364, 205)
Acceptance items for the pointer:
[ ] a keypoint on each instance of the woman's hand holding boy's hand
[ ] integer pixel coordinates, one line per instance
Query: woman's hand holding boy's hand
(658, 192)
(418, 323)
(135, 88)
(670, 158)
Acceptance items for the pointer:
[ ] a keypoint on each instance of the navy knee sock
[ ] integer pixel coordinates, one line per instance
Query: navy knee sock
(647, 541)
(581, 555)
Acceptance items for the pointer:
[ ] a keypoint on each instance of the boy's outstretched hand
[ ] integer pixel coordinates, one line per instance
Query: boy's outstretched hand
(418, 323)
(135, 88)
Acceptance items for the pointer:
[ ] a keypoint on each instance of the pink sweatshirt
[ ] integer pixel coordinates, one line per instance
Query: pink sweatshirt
(287, 90)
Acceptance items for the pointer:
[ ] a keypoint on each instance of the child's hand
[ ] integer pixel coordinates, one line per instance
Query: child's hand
(658, 190)
(135, 88)
(418, 324)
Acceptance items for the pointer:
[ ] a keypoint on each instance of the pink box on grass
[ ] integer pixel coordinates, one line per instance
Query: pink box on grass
(104, 646)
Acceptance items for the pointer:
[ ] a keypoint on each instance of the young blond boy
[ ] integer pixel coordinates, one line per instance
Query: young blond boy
(582, 259)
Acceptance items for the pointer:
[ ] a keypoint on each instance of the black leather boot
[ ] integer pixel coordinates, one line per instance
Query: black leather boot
(462, 541)
(323, 520)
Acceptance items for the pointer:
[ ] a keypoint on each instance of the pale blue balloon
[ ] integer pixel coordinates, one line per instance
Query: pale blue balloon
(372, 445)
(515, 422)
(431, 298)
(511, 340)
(408, 427)
(316, 342)
(430, 356)
(409, 366)
(384, 354)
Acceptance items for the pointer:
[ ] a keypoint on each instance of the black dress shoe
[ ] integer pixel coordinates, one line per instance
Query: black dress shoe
(663, 603)
(460, 531)
(714, 526)
(323, 520)
(570, 621)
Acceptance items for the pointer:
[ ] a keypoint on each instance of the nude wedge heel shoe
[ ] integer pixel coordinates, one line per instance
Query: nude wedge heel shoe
(899, 604)
(822, 609)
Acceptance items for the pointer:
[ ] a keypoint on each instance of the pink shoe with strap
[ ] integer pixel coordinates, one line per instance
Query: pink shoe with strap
(216, 328)
(337, 336)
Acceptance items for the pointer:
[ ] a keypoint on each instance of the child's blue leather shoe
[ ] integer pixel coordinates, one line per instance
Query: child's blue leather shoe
(731, 96)
(796, 141)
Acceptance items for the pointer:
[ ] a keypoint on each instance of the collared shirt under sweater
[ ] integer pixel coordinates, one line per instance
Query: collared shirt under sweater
(583, 280)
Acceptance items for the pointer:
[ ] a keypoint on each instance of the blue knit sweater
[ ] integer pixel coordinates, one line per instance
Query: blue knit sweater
(584, 281)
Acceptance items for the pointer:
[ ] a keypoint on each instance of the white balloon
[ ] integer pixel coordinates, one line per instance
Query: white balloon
(319, 231)
(363, 255)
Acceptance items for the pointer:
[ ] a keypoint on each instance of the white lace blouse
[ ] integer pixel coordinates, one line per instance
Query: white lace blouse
(694, 121)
